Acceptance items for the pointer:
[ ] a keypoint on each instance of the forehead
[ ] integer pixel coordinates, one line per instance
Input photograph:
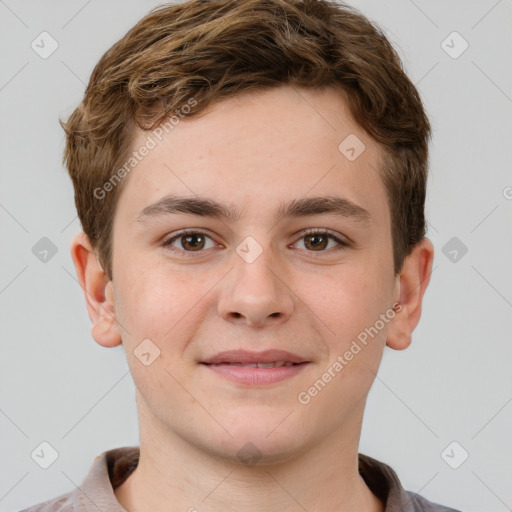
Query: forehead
(260, 147)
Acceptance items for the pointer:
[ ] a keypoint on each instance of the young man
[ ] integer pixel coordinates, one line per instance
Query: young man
(250, 177)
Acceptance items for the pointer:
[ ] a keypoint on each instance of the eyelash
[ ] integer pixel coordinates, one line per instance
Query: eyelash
(343, 244)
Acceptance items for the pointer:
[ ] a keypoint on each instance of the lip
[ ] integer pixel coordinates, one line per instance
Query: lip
(247, 357)
(255, 376)
(223, 364)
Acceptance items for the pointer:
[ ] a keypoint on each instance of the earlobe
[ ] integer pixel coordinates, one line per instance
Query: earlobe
(98, 293)
(410, 289)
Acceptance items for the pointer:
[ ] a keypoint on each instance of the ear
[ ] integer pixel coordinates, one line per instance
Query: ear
(409, 290)
(98, 292)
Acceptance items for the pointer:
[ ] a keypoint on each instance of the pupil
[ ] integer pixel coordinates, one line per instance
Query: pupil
(189, 240)
(315, 239)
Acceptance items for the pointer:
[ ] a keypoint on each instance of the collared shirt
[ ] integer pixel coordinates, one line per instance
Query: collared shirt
(111, 468)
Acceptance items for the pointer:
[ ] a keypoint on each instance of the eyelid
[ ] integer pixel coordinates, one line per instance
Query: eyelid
(166, 242)
(342, 239)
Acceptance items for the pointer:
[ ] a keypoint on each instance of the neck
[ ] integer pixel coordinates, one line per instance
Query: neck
(174, 475)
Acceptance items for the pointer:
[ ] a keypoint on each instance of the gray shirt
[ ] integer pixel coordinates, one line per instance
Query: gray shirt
(110, 469)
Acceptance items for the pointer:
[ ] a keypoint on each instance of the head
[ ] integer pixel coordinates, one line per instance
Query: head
(273, 111)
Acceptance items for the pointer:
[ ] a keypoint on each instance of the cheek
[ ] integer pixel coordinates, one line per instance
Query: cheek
(140, 302)
(162, 307)
(160, 303)
(348, 298)
(350, 303)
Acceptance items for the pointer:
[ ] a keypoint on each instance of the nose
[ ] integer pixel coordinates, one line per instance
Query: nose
(256, 293)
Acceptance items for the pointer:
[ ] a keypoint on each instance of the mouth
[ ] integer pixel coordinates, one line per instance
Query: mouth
(246, 357)
(273, 364)
(256, 368)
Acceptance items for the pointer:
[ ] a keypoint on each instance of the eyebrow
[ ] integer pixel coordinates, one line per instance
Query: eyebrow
(302, 207)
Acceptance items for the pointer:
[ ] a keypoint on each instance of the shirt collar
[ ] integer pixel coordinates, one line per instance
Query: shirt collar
(111, 468)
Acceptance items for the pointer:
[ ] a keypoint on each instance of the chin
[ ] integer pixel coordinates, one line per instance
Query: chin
(255, 443)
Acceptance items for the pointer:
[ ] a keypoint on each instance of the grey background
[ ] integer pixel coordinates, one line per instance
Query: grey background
(452, 384)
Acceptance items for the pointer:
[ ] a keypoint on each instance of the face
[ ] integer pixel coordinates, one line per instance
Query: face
(276, 272)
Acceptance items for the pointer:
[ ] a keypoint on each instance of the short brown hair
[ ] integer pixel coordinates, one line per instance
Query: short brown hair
(215, 49)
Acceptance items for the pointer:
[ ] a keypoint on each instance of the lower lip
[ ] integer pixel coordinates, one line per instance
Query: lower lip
(255, 376)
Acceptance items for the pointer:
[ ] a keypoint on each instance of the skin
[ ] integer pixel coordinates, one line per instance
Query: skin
(252, 152)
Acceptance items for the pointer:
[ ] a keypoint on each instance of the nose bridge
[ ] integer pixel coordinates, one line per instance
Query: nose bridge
(256, 292)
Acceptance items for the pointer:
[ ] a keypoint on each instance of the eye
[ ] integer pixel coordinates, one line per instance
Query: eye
(317, 240)
(188, 241)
